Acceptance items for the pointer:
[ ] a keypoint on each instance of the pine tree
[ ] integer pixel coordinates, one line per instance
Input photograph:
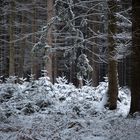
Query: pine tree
(11, 38)
(94, 26)
(50, 14)
(34, 59)
(112, 62)
(22, 48)
(135, 71)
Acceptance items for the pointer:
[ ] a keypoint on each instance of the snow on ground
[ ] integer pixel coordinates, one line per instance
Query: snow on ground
(41, 111)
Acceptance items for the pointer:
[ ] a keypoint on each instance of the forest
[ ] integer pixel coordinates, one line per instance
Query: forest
(69, 70)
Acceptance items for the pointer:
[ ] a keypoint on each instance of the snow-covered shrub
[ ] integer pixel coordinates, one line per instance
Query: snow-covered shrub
(7, 91)
(41, 110)
(43, 103)
(62, 88)
(30, 108)
(21, 80)
(5, 96)
(11, 79)
(3, 117)
(62, 80)
(83, 66)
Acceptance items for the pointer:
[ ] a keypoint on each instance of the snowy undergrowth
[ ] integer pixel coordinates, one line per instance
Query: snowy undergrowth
(39, 110)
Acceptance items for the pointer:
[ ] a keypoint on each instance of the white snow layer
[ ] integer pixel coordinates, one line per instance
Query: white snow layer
(41, 111)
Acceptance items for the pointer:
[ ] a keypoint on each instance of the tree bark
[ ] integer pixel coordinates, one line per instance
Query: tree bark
(22, 48)
(34, 58)
(11, 45)
(95, 66)
(50, 14)
(95, 48)
(112, 62)
(135, 71)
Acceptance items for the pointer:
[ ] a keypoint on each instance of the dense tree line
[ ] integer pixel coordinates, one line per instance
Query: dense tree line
(59, 35)
(20, 22)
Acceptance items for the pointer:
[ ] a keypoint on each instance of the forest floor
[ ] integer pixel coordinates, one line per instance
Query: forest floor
(38, 110)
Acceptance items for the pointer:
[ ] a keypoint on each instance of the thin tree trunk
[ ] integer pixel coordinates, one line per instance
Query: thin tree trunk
(54, 62)
(95, 49)
(22, 49)
(135, 77)
(1, 49)
(80, 82)
(112, 63)
(34, 59)
(95, 66)
(11, 45)
(49, 38)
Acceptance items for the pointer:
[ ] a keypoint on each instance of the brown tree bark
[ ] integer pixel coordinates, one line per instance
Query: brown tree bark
(34, 58)
(135, 71)
(94, 26)
(11, 45)
(112, 63)
(50, 13)
(22, 47)
(95, 66)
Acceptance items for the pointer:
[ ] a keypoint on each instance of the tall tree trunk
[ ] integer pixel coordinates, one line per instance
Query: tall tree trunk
(94, 26)
(11, 45)
(135, 77)
(22, 48)
(95, 66)
(1, 48)
(54, 61)
(112, 63)
(95, 50)
(34, 59)
(50, 13)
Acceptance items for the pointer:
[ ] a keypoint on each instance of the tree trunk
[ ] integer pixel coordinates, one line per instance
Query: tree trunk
(95, 66)
(80, 82)
(112, 63)
(34, 59)
(1, 48)
(11, 45)
(94, 47)
(50, 14)
(135, 71)
(22, 48)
